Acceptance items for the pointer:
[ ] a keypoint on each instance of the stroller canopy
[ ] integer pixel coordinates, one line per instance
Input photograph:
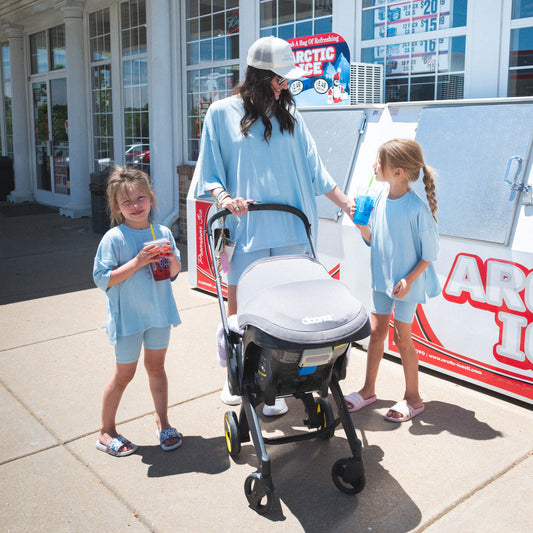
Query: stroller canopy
(293, 298)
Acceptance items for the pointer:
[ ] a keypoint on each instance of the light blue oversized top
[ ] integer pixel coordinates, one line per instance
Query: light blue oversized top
(403, 232)
(285, 170)
(139, 302)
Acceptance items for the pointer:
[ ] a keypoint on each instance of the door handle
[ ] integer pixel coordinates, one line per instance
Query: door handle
(517, 185)
(514, 184)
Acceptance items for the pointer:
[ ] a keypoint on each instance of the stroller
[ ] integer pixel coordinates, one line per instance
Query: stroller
(297, 324)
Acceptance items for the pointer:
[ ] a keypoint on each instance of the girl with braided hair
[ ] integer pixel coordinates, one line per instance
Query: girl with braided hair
(404, 241)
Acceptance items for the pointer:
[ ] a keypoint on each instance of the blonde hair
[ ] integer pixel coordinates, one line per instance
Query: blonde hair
(407, 155)
(119, 181)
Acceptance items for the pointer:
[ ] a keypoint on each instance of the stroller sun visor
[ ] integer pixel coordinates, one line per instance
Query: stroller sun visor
(293, 298)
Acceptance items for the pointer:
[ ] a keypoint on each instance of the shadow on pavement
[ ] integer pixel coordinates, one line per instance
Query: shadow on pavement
(44, 254)
(208, 456)
(323, 506)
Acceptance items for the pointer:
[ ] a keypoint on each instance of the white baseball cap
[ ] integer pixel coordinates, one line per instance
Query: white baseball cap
(272, 53)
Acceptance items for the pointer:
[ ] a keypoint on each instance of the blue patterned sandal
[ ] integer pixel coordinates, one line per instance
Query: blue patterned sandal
(169, 433)
(114, 446)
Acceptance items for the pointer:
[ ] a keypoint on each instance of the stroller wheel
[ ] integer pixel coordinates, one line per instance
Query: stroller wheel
(259, 495)
(349, 475)
(325, 412)
(231, 431)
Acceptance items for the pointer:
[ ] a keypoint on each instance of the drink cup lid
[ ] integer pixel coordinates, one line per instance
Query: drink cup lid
(157, 242)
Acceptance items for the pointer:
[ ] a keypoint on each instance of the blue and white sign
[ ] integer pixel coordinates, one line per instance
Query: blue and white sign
(326, 58)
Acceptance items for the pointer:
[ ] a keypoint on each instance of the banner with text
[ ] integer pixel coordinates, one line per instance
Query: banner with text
(326, 59)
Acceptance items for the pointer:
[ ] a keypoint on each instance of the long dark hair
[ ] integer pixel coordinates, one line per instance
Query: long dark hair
(259, 102)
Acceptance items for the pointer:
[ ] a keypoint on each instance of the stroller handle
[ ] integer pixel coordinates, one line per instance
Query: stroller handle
(258, 206)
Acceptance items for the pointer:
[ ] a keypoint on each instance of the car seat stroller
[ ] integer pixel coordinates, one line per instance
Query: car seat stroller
(298, 325)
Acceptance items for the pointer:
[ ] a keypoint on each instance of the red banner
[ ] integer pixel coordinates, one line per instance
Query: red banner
(205, 269)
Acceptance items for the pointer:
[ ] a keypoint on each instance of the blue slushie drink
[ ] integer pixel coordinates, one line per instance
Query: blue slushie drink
(363, 207)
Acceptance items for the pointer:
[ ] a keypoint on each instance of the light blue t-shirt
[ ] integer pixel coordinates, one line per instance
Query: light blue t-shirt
(139, 302)
(403, 232)
(285, 170)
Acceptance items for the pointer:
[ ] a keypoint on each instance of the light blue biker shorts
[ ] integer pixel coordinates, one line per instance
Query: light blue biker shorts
(382, 304)
(241, 260)
(128, 347)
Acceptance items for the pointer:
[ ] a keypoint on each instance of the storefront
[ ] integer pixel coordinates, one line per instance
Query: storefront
(85, 84)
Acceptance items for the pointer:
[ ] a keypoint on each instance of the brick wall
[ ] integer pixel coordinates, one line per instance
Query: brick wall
(185, 173)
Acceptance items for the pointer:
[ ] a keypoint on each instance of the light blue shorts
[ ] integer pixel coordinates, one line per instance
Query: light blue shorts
(382, 304)
(128, 348)
(241, 260)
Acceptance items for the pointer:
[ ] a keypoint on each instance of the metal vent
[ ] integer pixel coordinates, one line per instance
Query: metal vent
(366, 83)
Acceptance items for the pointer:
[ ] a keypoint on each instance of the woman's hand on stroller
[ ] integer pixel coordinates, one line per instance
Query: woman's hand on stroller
(236, 206)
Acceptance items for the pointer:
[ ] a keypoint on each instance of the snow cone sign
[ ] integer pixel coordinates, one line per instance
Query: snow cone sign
(326, 59)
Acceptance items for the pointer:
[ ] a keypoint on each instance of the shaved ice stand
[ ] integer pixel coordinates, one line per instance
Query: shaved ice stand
(480, 329)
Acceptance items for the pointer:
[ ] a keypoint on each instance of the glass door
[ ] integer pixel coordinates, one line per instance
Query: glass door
(50, 120)
(59, 135)
(42, 145)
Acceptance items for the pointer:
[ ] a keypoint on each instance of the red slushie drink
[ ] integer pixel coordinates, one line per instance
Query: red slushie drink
(160, 268)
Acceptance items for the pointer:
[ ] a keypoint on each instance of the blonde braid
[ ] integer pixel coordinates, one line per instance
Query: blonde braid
(429, 184)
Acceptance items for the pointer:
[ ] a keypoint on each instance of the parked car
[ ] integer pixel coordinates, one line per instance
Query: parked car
(134, 150)
(142, 159)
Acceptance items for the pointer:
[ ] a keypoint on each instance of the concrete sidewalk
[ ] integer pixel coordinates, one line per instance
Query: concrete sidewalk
(465, 464)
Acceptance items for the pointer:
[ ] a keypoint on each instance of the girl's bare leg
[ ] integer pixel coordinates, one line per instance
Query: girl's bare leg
(376, 346)
(154, 362)
(404, 343)
(112, 395)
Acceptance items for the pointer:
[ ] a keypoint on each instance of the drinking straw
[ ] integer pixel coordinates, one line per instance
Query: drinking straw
(367, 189)
(152, 229)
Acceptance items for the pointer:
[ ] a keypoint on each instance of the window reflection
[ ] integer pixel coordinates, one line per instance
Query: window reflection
(412, 64)
(135, 85)
(408, 17)
(101, 89)
(133, 27)
(522, 9)
(8, 106)
(520, 82)
(205, 86)
(58, 57)
(287, 20)
(38, 53)
(212, 48)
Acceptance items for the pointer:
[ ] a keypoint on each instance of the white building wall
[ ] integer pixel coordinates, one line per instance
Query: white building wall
(487, 51)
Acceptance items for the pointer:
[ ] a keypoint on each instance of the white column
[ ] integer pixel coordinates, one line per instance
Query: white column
(346, 23)
(248, 32)
(164, 176)
(21, 148)
(483, 48)
(77, 89)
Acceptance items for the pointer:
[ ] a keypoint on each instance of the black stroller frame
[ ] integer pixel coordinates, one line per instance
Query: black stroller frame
(243, 360)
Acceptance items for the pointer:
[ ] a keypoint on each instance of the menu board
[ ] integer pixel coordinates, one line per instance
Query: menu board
(408, 18)
(416, 57)
(405, 18)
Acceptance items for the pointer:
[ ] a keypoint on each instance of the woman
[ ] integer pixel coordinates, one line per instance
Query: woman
(256, 147)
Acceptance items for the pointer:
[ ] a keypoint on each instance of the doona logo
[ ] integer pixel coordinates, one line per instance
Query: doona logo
(316, 319)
